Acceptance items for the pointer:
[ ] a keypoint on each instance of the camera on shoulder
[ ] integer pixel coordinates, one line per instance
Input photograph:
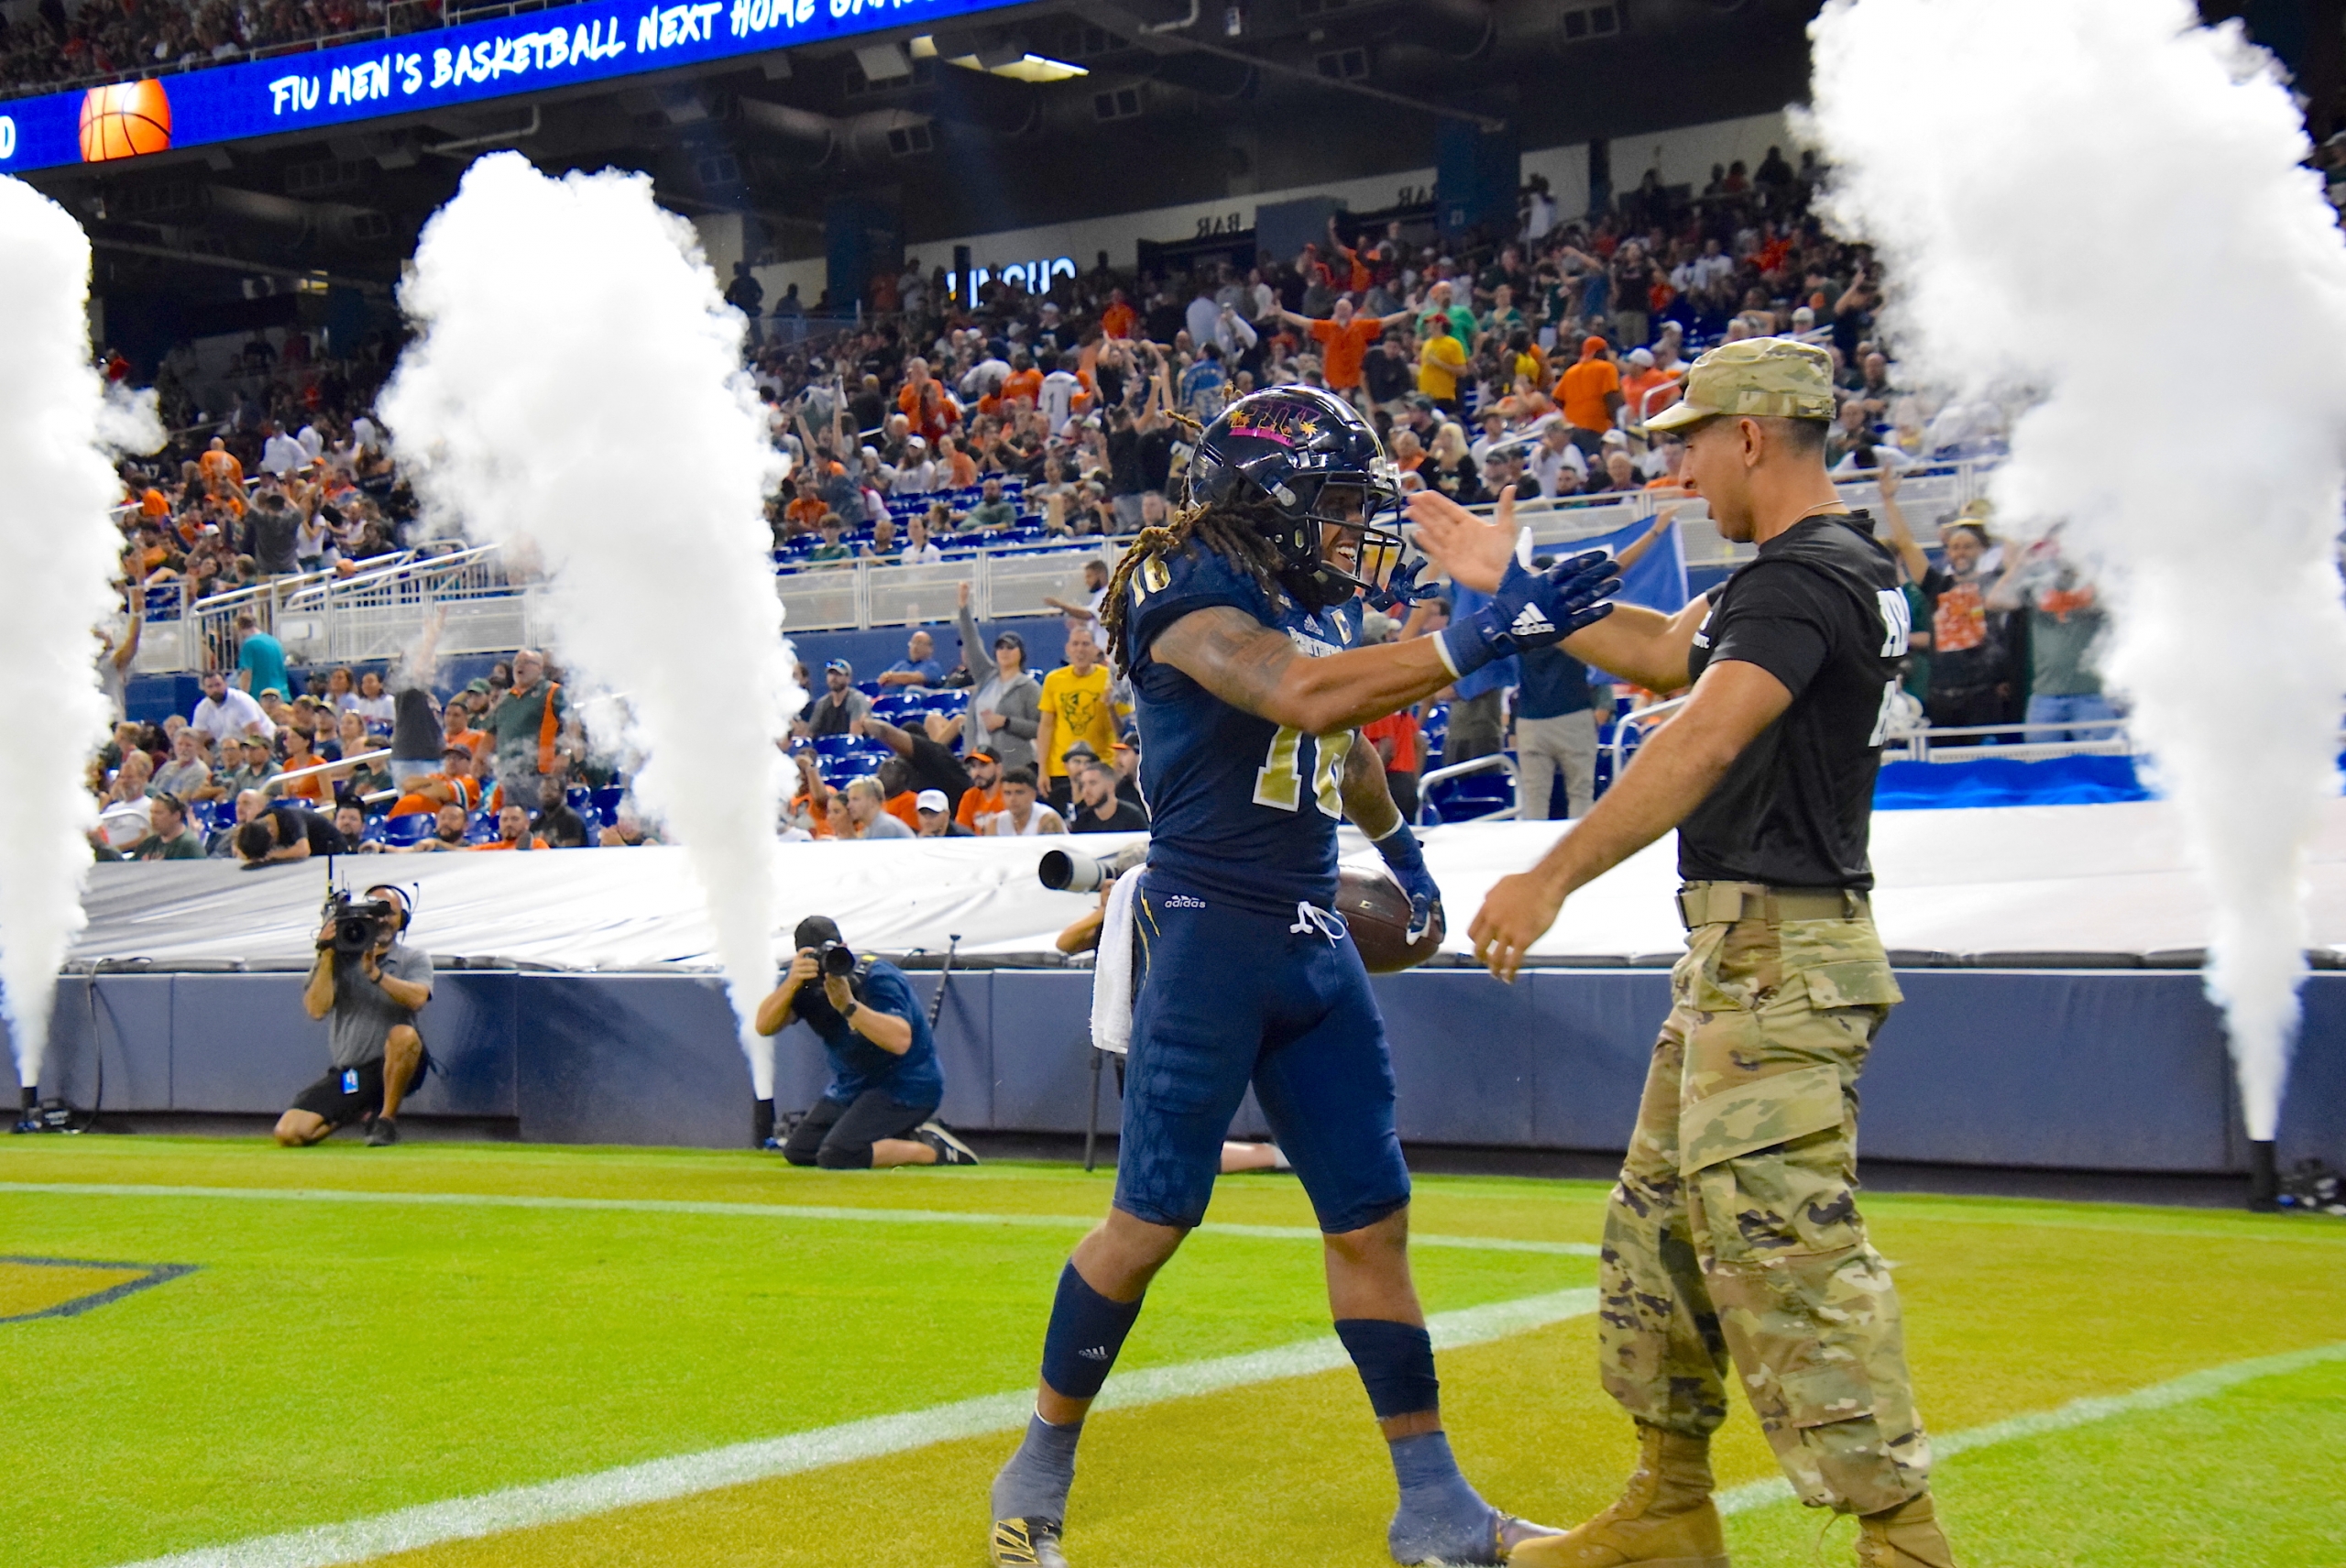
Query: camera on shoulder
(360, 924)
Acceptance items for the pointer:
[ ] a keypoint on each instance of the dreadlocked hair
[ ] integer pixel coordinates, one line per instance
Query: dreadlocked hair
(1236, 532)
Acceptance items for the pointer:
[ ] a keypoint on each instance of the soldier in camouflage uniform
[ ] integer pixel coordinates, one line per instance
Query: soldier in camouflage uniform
(1734, 1234)
(1734, 1228)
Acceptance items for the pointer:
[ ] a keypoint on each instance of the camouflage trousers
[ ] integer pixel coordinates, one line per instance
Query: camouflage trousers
(1734, 1232)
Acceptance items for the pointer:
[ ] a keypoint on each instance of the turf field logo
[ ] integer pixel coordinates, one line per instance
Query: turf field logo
(124, 119)
(67, 1286)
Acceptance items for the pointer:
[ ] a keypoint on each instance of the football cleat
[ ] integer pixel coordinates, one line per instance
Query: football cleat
(1030, 1543)
(1413, 1549)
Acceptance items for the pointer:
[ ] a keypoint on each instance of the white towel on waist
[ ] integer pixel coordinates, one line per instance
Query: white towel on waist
(1112, 969)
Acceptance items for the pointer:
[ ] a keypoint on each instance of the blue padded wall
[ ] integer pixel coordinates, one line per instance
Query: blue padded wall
(2076, 1069)
(630, 1059)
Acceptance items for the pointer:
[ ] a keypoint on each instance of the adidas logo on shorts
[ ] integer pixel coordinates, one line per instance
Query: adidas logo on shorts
(1097, 1353)
(1183, 901)
(1532, 623)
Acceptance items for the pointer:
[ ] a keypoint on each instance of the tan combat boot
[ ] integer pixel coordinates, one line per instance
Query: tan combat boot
(1664, 1519)
(1907, 1535)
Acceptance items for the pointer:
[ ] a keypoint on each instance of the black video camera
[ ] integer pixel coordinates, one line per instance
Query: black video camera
(357, 926)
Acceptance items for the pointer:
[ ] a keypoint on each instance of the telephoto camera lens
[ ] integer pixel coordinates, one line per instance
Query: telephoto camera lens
(1072, 870)
(835, 957)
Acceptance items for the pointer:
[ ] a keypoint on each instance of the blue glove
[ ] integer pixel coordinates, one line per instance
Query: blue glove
(1533, 609)
(1401, 589)
(1408, 863)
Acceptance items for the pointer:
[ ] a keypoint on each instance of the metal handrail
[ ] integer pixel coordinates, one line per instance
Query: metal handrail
(275, 781)
(842, 603)
(1460, 769)
(1617, 748)
(1919, 742)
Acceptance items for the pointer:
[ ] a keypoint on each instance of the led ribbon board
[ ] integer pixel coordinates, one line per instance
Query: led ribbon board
(594, 41)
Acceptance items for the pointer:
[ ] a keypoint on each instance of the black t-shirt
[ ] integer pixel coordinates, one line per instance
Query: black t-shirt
(1126, 818)
(274, 531)
(561, 827)
(1155, 458)
(1820, 609)
(1461, 482)
(295, 822)
(1386, 375)
(1125, 477)
(416, 735)
(932, 766)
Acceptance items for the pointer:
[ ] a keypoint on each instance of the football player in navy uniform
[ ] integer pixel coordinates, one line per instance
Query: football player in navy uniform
(1238, 625)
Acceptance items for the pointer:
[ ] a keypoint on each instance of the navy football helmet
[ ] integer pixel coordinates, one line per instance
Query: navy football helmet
(1304, 451)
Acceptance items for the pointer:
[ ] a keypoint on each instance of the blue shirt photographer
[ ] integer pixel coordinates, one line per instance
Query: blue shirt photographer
(913, 1079)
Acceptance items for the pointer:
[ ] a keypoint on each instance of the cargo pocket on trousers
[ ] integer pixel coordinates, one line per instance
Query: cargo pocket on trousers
(1754, 1114)
(1750, 1198)
(1825, 1396)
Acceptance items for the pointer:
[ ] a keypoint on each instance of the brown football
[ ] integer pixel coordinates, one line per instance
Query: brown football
(1376, 910)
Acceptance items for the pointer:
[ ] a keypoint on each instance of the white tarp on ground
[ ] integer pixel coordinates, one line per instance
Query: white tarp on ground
(2085, 879)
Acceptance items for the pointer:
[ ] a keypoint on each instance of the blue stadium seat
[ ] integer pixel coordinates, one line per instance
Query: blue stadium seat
(398, 833)
(1472, 795)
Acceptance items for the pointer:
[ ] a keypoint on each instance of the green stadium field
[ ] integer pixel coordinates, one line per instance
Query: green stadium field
(471, 1355)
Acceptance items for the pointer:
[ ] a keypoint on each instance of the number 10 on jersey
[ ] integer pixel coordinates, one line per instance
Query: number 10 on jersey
(1278, 780)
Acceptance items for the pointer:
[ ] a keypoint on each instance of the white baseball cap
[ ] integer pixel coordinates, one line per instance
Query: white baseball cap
(929, 800)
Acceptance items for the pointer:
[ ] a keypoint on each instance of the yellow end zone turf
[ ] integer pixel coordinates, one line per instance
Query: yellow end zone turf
(30, 1288)
(2012, 1308)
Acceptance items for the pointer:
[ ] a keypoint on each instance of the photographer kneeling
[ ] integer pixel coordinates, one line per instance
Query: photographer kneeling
(885, 1084)
(373, 988)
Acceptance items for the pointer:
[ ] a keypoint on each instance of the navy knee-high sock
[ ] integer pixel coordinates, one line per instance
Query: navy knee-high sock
(1440, 1515)
(1086, 1334)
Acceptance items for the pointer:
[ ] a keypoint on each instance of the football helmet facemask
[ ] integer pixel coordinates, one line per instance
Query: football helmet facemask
(1327, 481)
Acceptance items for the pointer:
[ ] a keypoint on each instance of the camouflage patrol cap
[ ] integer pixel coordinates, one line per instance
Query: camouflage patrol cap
(1759, 377)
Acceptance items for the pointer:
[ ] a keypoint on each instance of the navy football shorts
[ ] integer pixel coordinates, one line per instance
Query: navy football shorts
(1225, 997)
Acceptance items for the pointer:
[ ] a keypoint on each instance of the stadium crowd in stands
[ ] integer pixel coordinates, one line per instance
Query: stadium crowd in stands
(53, 45)
(926, 429)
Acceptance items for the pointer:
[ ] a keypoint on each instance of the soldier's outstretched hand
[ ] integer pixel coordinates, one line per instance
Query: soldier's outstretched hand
(1471, 549)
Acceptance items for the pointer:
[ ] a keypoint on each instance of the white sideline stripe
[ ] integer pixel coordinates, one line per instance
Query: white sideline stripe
(739, 1211)
(663, 1480)
(2191, 1385)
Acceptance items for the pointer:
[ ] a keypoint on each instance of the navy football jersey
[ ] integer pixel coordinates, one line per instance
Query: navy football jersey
(1240, 808)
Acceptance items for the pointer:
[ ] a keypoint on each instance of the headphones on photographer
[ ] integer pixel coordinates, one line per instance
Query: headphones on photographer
(403, 895)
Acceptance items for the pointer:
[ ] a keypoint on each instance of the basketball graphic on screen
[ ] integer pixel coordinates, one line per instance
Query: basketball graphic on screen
(124, 119)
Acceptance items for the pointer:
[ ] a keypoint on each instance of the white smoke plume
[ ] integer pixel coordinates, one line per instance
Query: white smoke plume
(577, 396)
(57, 427)
(2098, 203)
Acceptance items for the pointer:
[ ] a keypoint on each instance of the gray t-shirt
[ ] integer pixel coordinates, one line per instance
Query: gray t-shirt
(364, 1014)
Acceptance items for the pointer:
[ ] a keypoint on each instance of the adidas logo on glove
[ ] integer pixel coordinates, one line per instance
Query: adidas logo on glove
(1532, 623)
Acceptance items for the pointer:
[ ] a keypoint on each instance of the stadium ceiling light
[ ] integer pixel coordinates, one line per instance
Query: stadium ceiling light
(1025, 68)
